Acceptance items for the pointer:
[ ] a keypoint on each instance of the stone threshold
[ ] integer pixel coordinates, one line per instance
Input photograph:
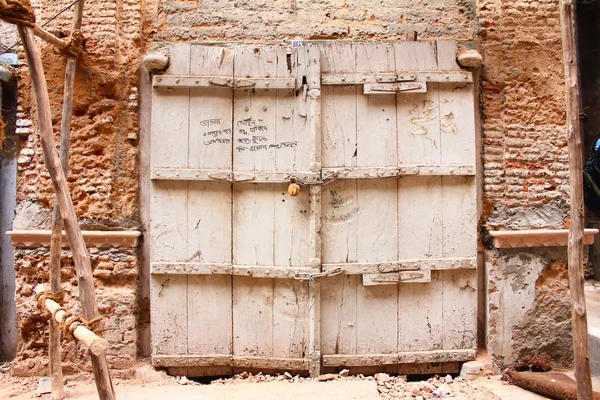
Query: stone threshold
(41, 238)
(537, 238)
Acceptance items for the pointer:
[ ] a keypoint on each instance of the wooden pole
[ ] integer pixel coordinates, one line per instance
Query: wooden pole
(56, 238)
(576, 280)
(55, 241)
(50, 38)
(95, 343)
(87, 294)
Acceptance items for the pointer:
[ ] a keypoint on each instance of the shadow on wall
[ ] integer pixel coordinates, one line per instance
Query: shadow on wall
(8, 176)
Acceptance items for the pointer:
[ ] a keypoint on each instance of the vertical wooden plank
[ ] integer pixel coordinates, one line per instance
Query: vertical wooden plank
(377, 225)
(416, 56)
(460, 309)
(338, 313)
(313, 71)
(292, 122)
(209, 296)
(457, 123)
(211, 125)
(290, 318)
(420, 202)
(291, 228)
(460, 240)
(418, 113)
(340, 211)
(254, 223)
(168, 222)
(339, 107)
(209, 222)
(420, 214)
(316, 266)
(252, 316)
(460, 216)
(420, 309)
(376, 114)
(446, 55)
(377, 306)
(170, 115)
(210, 327)
(255, 110)
(169, 314)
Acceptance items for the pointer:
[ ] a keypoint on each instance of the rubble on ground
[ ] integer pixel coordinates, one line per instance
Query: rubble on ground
(389, 387)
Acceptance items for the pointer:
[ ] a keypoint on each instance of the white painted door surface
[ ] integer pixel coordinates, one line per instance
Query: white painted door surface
(372, 264)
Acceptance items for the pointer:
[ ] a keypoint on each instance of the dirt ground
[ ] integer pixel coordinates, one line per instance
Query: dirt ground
(150, 385)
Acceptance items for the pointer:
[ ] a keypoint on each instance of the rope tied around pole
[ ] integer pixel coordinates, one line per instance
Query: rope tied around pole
(43, 296)
(71, 321)
(2, 125)
(18, 12)
(74, 44)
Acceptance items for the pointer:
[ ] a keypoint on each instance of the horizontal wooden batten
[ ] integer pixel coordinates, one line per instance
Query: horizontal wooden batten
(277, 177)
(256, 271)
(227, 82)
(338, 360)
(191, 174)
(433, 264)
(538, 238)
(41, 238)
(388, 172)
(403, 76)
(292, 364)
(307, 178)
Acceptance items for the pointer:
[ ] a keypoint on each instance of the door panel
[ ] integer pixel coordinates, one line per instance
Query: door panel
(372, 264)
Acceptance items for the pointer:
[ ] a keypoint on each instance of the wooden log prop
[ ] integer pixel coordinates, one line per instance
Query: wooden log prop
(73, 324)
(87, 293)
(576, 232)
(56, 238)
(555, 385)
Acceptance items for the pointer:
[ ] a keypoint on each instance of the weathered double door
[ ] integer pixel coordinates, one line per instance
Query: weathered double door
(371, 264)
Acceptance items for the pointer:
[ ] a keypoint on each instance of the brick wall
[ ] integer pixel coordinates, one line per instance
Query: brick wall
(526, 183)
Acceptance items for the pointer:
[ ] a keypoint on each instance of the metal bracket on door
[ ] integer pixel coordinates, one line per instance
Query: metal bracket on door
(393, 278)
(193, 81)
(396, 87)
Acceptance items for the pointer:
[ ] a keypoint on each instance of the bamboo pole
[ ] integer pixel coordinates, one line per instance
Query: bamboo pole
(87, 292)
(56, 238)
(576, 280)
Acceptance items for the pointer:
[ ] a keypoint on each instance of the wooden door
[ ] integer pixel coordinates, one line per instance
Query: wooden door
(371, 265)
(230, 247)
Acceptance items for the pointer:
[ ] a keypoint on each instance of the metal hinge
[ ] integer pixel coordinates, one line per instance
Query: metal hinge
(393, 278)
(396, 87)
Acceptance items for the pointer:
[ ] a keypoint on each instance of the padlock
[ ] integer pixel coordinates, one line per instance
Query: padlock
(294, 188)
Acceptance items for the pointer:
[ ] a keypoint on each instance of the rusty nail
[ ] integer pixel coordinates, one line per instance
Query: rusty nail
(264, 108)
